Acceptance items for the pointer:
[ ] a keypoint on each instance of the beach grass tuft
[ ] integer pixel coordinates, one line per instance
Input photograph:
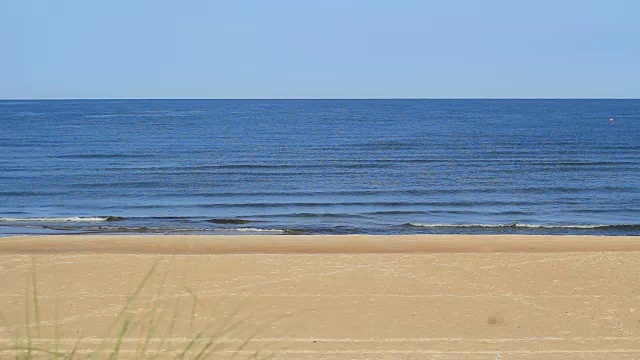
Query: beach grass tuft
(29, 343)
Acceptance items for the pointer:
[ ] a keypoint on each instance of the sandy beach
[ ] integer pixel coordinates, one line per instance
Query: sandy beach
(323, 297)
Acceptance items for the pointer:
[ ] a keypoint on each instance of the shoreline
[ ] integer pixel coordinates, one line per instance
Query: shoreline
(315, 244)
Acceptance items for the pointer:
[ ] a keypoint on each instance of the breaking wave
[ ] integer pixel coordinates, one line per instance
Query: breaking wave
(528, 226)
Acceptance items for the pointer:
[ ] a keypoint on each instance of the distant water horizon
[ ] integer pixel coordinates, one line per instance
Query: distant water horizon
(321, 99)
(320, 166)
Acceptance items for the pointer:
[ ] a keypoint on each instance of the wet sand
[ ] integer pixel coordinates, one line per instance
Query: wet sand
(325, 297)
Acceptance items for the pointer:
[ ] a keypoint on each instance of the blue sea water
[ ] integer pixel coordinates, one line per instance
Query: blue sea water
(320, 166)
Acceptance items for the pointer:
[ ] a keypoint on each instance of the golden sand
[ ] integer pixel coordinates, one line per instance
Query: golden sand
(325, 297)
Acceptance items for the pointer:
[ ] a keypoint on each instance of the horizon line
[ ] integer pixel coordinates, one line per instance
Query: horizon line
(328, 98)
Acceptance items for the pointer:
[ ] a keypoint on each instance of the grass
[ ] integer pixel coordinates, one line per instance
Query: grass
(207, 343)
(150, 324)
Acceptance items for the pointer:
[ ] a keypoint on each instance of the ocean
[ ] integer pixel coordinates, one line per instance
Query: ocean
(320, 166)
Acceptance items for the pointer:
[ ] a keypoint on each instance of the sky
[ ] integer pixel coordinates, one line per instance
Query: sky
(319, 49)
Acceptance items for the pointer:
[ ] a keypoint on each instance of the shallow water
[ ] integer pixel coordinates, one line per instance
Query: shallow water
(320, 166)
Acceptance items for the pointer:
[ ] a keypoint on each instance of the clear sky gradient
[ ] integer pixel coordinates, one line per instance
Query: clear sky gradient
(319, 49)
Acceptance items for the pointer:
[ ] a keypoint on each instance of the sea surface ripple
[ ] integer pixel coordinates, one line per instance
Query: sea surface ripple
(320, 166)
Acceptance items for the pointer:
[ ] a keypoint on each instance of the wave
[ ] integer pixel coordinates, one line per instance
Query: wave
(253, 229)
(399, 212)
(159, 229)
(31, 193)
(364, 203)
(63, 219)
(310, 215)
(101, 156)
(148, 114)
(144, 229)
(438, 212)
(229, 221)
(528, 226)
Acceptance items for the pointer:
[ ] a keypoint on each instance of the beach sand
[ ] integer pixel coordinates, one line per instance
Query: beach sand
(324, 297)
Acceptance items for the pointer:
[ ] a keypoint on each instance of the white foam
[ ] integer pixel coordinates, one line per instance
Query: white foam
(251, 229)
(511, 225)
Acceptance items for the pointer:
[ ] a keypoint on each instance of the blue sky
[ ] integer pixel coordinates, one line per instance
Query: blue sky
(319, 49)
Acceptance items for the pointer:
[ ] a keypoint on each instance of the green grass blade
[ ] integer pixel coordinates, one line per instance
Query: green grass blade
(193, 307)
(190, 344)
(121, 334)
(27, 315)
(56, 329)
(73, 351)
(255, 332)
(130, 299)
(36, 309)
(152, 319)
